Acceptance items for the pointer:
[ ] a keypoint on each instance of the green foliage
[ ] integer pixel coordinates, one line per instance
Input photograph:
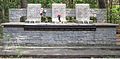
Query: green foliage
(58, 1)
(93, 3)
(4, 8)
(114, 14)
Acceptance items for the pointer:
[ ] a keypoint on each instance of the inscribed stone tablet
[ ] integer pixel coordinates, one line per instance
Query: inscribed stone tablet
(33, 12)
(82, 12)
(16, 14)
(58, 9)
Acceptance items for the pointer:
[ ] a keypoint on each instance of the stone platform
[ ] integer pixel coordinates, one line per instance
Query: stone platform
(50, 40)
(58, 34)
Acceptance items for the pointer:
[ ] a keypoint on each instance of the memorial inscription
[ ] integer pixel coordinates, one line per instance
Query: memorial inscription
(67, 34)
(16, 14)
(83, 12)
(59, 12)
(33, 12)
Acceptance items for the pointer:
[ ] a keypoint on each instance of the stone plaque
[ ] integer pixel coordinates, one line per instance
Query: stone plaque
(101, 16)
(59, 10)
(82, 12)
(33, 12)
(16, 14)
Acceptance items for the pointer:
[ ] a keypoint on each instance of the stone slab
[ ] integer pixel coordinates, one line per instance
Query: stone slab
(58, 9)
(62, 52)
(33, 12)
(16, 14)
(82, 12)
(101, 16)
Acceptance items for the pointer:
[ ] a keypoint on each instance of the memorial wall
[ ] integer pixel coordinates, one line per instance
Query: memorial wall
(58, 33)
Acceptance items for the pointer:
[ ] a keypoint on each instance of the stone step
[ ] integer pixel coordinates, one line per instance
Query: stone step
(60, 43)
(48, 58)
(63, 52)
(62, 47)
(61, 58)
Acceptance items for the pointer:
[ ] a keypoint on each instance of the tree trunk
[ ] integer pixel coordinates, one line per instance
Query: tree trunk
(67, 3)
(23, 3)
(119, 2)
(3, 10)
(101, 4)
(110, 3)
(101, 16)
(3, 14)
(71, 3)
(45, 5)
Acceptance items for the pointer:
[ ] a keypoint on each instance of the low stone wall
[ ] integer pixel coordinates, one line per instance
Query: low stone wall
(16, 14)
(60, 35)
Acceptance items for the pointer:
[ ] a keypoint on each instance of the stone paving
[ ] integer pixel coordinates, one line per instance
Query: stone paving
(62, 51)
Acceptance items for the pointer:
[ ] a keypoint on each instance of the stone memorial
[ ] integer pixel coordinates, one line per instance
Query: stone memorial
(16, 14)
(60, 39)
(83, 12)
(61, 34)
(33, 13)
(101, 16)
(59, 12)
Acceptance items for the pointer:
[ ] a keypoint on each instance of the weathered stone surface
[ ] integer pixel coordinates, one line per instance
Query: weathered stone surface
(33, 12)
(101, 16)
(60, 38)
(78, 52)
(16, 14)
(23, 12)
(82, 12)
(58, 9)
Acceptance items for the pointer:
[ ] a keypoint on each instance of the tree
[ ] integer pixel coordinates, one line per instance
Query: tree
(101, 4)
(23, 3)
(44, 3)
(4, 6)
(71, 3)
